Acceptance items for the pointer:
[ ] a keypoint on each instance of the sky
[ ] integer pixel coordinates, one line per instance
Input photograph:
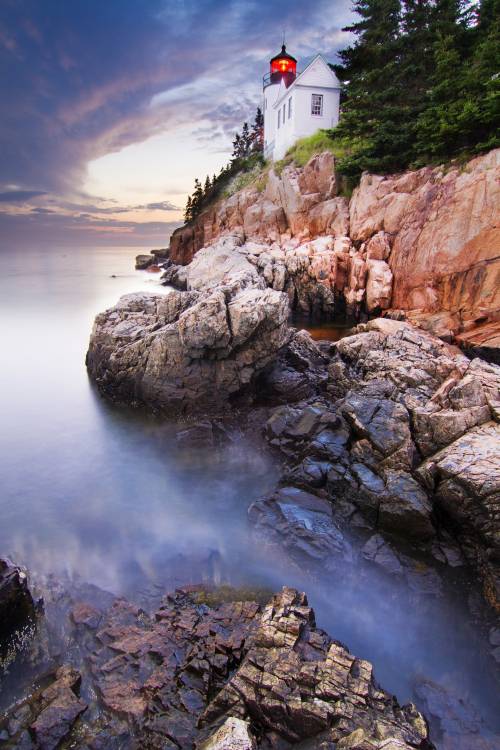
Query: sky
(111, 108)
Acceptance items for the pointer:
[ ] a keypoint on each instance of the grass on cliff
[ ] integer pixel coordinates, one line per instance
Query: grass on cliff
(251, 171)
(323, 140)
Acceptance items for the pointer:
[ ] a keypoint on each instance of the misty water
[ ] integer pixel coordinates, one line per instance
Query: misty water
(105, 494)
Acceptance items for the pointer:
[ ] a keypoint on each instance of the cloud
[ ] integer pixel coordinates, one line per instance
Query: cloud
(43, 227)
(161, 206)
(87, 78)
(18, 196)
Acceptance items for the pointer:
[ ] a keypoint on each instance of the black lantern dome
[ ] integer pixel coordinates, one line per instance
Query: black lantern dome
(283, 66)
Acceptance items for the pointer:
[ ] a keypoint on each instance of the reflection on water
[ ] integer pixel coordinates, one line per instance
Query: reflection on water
(105, 493)
(322, 331)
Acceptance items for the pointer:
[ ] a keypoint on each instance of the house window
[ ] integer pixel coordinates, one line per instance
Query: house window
(289, 107)
(279, 117)
(317, 104)
(284, 110)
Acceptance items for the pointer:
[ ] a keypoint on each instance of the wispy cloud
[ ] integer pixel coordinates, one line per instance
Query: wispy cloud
(15, 196)
(87, 78)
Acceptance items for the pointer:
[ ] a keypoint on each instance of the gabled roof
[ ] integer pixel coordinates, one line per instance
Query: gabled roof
(335, 83)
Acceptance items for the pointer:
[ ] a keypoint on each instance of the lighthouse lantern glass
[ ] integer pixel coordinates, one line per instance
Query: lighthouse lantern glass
(283, 65)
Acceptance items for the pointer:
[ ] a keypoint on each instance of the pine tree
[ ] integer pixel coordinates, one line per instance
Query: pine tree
(371, 110)
(207, 186)
(237, 146)
(188, 211)
(246, 140)
(257, 134)
(196, 198)
(463, 109)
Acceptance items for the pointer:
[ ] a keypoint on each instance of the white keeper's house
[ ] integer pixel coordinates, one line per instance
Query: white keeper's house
(297, 104)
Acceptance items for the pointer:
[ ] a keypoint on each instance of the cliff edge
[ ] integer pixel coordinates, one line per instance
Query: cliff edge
(423, 245)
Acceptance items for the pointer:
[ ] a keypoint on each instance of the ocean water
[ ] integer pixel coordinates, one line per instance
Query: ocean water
(102, 493)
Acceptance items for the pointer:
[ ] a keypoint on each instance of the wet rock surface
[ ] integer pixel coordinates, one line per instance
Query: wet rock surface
(17, 607)
(236, 675)
(404, 439)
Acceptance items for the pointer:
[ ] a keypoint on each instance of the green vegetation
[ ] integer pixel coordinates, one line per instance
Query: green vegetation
(245, 166)
(300, 153)
(251, 171)
(225, 593)
(421, 83)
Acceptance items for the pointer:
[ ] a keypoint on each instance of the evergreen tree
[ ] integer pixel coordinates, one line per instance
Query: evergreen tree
(246, 140)
(196, 198)
(207, 187)
(237, 147)
(370, 113)
(188, 211)
(463, 109)
(257, 134)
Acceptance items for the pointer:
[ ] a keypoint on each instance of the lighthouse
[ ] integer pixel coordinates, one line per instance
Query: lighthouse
(296, 105)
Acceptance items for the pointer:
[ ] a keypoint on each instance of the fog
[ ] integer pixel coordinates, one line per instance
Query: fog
(105, 494)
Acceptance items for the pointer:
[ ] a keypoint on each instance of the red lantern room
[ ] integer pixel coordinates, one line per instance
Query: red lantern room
(283, 66)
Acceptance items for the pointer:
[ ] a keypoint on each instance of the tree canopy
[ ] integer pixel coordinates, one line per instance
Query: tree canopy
(421, 83)
(246, 145)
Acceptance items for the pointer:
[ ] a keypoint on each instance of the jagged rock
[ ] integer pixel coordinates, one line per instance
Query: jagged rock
(48, 716)
(85, 615)
(60, 709)
(234, 676)
(298, 522)
(445, 236)
(188, 350)
(298, 371)
(144, 261)
(428, 243)
(298, 684)
(17, 608)
(234, 734)
(404, 441)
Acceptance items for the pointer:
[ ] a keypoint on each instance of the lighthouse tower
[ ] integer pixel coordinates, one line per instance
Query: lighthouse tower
(282, 71)
(297, 105)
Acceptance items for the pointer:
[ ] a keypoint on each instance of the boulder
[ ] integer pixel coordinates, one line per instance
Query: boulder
(465, 477)
(234, 734)
(144, 261)
(220, 264)
(17, 608)
(405, 508)
(378, 285)
(299, 523)
(186, 350)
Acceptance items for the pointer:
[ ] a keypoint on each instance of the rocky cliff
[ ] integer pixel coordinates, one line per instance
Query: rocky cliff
(424, 245)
